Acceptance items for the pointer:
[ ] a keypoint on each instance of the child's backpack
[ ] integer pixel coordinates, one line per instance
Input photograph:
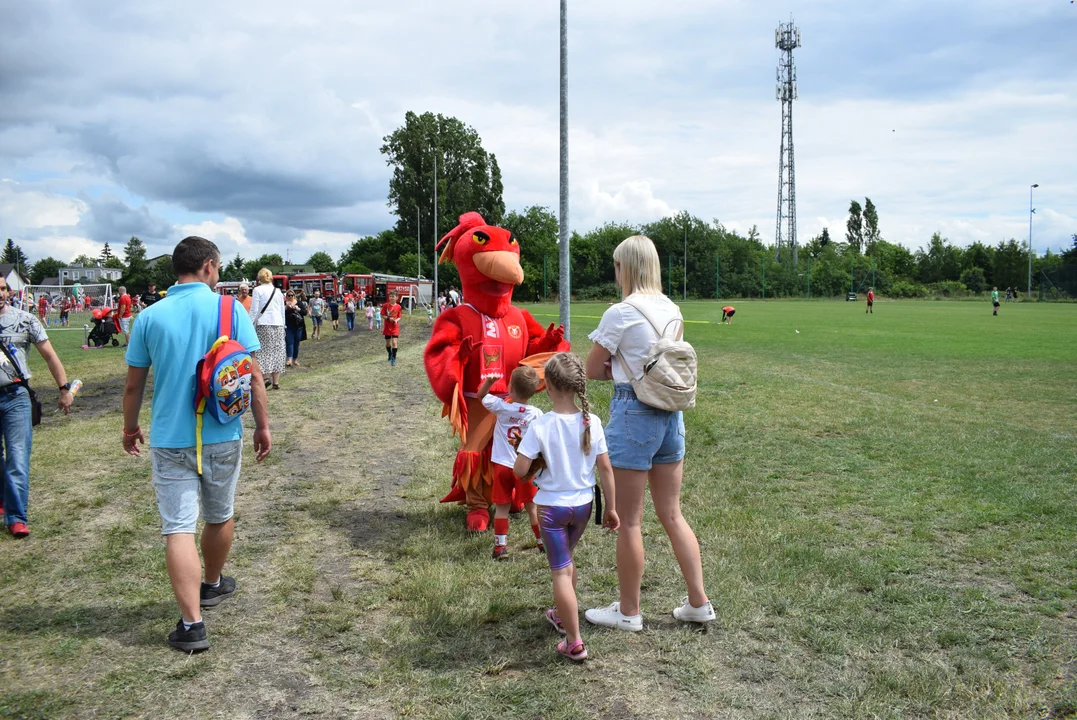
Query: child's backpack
(222, 377)
(668, 381)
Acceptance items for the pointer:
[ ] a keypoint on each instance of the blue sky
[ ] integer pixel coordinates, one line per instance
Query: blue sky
(258, 124)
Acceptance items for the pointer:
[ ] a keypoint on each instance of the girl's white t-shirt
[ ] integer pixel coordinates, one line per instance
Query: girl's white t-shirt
(569, 477)
(624, 329)
(513, 419)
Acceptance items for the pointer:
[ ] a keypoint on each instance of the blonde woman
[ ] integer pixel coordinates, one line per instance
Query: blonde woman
(646, 445)
(267, 314)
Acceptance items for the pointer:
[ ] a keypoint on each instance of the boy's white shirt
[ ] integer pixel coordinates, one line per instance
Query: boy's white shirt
(569, 477)
(510, 416)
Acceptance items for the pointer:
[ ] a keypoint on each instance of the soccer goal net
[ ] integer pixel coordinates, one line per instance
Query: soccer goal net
(62, 305)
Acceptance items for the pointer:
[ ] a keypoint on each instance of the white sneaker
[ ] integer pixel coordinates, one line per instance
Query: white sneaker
(688, 613)
(611, 617)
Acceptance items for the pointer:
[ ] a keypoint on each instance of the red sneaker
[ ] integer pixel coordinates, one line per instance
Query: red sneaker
(19, 529)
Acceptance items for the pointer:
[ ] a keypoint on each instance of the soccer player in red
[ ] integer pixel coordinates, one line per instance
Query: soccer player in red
(390, 313)
(43, 308)
(871, 300)
(123, 311)
(727, 314)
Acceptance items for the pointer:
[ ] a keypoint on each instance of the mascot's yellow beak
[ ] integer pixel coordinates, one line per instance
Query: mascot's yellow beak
(500, 265)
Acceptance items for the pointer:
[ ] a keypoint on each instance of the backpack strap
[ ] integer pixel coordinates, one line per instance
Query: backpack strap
(662, 332)
(224, 317)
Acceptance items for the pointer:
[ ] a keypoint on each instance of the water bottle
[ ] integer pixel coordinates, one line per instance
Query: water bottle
(76, 385)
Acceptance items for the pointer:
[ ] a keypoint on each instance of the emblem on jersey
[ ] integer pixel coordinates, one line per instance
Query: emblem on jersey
(514, 332)
(491, 355)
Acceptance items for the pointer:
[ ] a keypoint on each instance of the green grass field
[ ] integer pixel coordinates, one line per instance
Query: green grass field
(885, 505)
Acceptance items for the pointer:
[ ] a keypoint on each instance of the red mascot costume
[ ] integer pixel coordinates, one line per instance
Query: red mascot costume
(486, 336)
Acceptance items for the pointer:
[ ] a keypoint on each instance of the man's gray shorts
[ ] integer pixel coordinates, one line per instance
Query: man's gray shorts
(179, 488)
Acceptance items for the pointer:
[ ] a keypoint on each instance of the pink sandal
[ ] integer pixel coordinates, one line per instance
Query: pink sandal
(575, 652)
(551, 617)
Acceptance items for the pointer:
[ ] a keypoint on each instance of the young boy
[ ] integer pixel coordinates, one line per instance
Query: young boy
(390, 314)
(514, 416)
(994, 300)
(727, 314)
(871, 300)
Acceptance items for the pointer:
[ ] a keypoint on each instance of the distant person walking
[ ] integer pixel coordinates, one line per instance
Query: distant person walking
(391, 313)
(18, 331)
(349, 313)
(294, 325)
(123, 311)
(150, 296)
(646, 445)
(994, 301)
(267, 314)
(244, 297)
(727, 314)
(317, 310)
(369, 316)
(171, 337)
(871, 301)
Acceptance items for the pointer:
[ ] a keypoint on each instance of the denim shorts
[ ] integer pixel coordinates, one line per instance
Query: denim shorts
(180, 490)
(638, 435)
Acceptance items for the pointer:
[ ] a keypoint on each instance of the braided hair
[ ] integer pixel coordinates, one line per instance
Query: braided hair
(564, 371)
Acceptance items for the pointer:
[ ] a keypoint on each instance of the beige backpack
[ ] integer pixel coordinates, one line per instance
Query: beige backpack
(668, 381)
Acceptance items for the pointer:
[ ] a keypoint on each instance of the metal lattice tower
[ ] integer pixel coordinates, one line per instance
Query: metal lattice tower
(786, 37)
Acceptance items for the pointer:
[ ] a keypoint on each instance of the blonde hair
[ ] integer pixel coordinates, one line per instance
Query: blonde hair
(523, 383)
(564, 372)
(640, 269)
(264, 276)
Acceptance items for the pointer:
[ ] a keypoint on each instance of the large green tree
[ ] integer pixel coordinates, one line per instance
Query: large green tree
(46, 267)
(232, 271)
(536, 230)
(250, 269)
(138, 274)
(871, 225)
(468, 177)
(322, 261)
(164, 274)
(14, 255)
(106, 255)
(854, 227)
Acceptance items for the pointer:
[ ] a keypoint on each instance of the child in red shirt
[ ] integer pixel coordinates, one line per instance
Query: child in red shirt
(390, 313)
(727, 314)
(871, 299)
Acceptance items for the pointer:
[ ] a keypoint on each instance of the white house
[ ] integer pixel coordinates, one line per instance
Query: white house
(15, 282)
(96, 274)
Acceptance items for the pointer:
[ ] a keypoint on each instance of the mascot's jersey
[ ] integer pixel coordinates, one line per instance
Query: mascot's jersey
(501, 344)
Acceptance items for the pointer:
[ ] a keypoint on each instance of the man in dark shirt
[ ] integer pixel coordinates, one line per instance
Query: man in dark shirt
(150, 296)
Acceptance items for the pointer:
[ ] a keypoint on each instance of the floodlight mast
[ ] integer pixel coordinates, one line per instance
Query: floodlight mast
(786, 38)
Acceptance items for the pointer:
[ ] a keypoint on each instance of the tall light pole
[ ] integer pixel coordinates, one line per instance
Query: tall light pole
(685, 279)
(437, 305)
(1031, 212)
(565, 275)
(418, 245)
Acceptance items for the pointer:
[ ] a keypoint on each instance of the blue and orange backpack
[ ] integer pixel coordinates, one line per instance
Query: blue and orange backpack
(223, 377)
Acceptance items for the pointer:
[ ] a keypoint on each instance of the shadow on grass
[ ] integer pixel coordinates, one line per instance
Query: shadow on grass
(130, 625)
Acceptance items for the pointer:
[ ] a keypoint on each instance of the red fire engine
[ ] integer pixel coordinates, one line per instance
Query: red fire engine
(377, 286)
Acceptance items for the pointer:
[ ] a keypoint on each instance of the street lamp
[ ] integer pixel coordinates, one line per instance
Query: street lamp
(684, 280)
(1031, 212)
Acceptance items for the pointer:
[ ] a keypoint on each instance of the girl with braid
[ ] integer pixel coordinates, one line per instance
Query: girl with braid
(571, 442)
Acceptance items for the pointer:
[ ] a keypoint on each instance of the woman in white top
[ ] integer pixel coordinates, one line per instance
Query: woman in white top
(646, 445)
(267, 314)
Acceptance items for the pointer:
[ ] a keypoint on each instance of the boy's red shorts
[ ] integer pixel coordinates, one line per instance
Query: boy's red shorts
(504, 483)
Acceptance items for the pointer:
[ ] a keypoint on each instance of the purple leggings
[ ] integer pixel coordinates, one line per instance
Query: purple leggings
(562, 528)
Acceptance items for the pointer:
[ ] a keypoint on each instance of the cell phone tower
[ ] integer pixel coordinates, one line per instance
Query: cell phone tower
(786, 38)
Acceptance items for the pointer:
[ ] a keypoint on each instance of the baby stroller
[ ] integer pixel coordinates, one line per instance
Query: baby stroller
(105, 325)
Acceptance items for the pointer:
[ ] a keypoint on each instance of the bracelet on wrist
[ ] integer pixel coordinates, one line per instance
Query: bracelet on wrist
(133, 433)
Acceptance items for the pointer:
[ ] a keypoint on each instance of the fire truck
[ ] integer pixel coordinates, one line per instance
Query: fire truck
(327, 283)
(377, 286)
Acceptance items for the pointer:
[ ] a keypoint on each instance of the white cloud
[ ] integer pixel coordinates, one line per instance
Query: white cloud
(28, 208)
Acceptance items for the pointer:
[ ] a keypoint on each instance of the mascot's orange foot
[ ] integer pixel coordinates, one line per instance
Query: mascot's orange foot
(478, 520)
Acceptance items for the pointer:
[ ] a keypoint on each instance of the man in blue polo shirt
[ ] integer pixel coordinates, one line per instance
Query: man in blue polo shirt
(171, 336)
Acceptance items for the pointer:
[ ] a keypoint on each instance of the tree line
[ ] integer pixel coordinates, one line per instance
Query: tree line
(434, 155)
